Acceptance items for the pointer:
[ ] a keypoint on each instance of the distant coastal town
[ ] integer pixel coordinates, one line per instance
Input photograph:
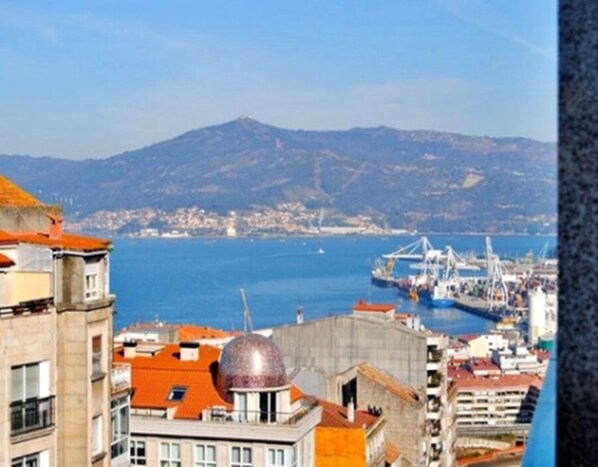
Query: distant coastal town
(283, 219)
(286, 218)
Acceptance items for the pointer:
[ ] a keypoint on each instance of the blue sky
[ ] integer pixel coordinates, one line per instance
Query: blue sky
(95, 78)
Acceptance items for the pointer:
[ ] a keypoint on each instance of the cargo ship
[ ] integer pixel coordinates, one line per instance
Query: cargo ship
(432, 292)
(382, 274)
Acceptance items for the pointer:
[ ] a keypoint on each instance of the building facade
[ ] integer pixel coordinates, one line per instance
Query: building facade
(197, 405)
(56, 333)
(373, 333)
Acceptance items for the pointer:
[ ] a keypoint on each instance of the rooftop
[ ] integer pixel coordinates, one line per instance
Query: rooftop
(392, 452)
(13, 195)
(64, 241)
(154, 376)
(5, 261)
(190, 332)
(156, 373)
(362, 305)
(498, 382)
(391, 384)
(335, 416)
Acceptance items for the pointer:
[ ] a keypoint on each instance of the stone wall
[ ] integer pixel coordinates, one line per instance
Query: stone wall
(406, 421)
(337, 343)
(27, 218)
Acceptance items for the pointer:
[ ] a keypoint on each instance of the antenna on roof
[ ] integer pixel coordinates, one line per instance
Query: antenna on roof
(247, 324)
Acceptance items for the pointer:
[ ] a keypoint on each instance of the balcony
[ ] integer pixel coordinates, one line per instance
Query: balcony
(433, 416)
(433, 366)
(434, 356)
(29, 307)
(220, 414)
(31, 414)
(121, 377)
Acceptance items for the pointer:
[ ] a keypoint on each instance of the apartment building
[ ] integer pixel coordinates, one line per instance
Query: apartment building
(55, 339)
(516, 360)
(194, 404)
(376, 334)
(503, 404)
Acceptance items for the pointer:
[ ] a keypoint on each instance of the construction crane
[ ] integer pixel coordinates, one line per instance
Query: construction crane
(497, 294)
(247, 324)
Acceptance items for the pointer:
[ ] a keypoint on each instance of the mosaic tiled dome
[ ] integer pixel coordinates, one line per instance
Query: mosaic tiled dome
(250, 362)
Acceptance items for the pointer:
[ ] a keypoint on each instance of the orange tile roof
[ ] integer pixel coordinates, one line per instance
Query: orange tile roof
(154, 377)
(190, 332)
(296, 393)
(500, 382)
(13, 195)
(392, 452)
(7, 239)
(388, 382)
(64, 241)
(482, 364)
(5, 261)
(379, 307)
(335, 416)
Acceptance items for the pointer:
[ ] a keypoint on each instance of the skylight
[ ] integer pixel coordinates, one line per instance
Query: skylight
(177, 394)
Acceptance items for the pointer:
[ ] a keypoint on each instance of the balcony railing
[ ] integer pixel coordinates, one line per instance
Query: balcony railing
(220, 414)
(29, 307)
(435, 380)
(120, 377)
(434, 356)
(31, 414)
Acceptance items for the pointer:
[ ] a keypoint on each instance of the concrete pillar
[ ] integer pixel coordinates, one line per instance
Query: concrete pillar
(577, 397)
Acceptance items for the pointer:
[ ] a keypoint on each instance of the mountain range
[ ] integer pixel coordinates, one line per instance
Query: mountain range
(424, 180)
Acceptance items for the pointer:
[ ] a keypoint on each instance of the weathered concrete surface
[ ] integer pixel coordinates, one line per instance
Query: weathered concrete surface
(577, 419)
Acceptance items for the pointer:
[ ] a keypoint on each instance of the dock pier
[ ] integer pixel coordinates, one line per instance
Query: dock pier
(477, 306)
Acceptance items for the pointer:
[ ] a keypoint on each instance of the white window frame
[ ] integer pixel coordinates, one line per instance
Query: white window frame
(169, 460)
(241, 405)
(283, 457)
(200, 461)
(39, 459)
(97, 435)
(241, 462)
(120, 426)
(97, 364)
(138, 459)
(92, 280)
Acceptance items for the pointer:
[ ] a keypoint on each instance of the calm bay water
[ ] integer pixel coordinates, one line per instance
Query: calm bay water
(198, 280)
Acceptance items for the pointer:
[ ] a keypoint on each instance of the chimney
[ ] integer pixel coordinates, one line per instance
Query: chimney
(130, 349)
(189, 351)
(351, 411)
(55, 229)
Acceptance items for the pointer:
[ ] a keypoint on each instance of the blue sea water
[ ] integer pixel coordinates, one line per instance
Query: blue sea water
(198, 280)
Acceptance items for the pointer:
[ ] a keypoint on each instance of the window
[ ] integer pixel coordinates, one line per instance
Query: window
(267, 406)
(120, 426)
(97, 438)
(138, 456)
(281, 457)
(92, 282)
(205, 455)
(96, 356)
(39, 459)
(240, 457)
(177, 394)
(31, 405)
(170, 455)
(241, 406)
